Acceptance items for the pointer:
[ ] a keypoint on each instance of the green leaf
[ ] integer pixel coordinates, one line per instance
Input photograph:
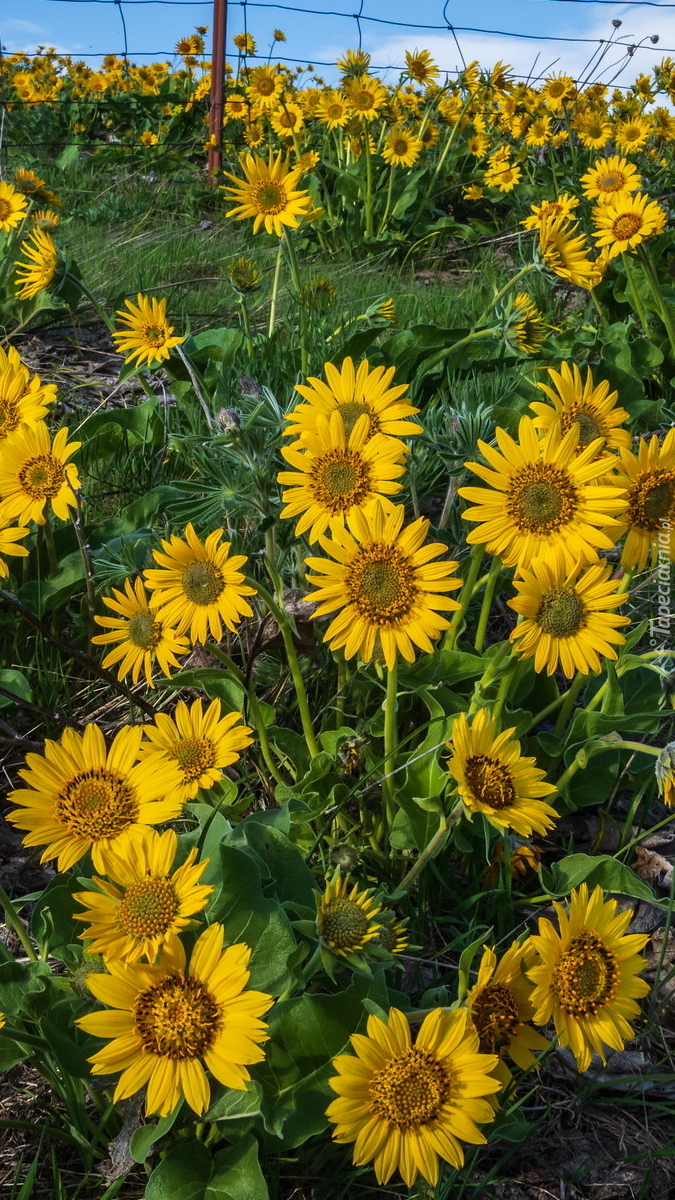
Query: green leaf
(20, 982)
(52, 923)
(183, 1175)
(236, 1173)
(143, 1139)
(611, 875)
(69, 1045)
(15, 682)
(230, 1105)
(250, 916)
(292, 878)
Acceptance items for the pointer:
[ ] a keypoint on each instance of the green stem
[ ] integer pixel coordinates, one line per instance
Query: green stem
(507, 287)
(571, 694)
(295, 274)
(14, 921)
(275, 291)
(581, 760)
(261, 728)
(493, 668)
(85, 553)
(369, 183)
(247, 326)
(635, 295)
(475, 559)
(292, 659)
(653, 280)
(390, 188)
(195, 386)
(599, 309)
(493, 576)
(390, 744)
(342, 677)
(465, 341)
(432, 848)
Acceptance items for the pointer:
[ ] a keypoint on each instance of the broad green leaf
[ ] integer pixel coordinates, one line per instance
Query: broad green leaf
(250, 916)
(602, 870)
(15, 682)
(237, 1174)
(183, 1175)
(143, 1139)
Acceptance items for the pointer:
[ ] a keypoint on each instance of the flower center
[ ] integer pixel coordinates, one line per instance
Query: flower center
(350, 413)
(490, 781)
(340, 479)
(143, 632)
(178, 1018)
(496, 1015)
(202, 582)
(194, 756)
(561, 613)
(381, 585)
(410, 1090)
(5, 210)
(96, 804)
(41, 477)
(587, 976)
(400, 146)
(334, 111)
(362, 100)
(626, 225)
(589, 429)
(266, 86)
(9, 416)
(543, 499)
(611, 183)
(154, 335)
(343, 924)
(268, 197)
(653, 499)
(147, 908)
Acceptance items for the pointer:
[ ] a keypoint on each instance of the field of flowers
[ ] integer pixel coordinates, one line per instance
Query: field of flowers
(336, 681)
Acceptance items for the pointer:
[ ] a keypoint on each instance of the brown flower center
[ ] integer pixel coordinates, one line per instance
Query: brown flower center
(543, 499)
(343, 923)
(340, 479)
(652, 499)
(178, 1018)
(268, 197)
(350, 413)
(587, 976)
(613, 182)
(410, 1090)
(143, 632)
(202, 582)
(490, 781)
(588, 422)
(154, 335)
(400, 146)
(147, 908)
(41, 477)
(381, 585)
(5, 210)
(194, 756)
(9, 416)
(625, 226)
(561, 613)
(496, 1015)
(334, 112)
(96, 804)
(265, 86)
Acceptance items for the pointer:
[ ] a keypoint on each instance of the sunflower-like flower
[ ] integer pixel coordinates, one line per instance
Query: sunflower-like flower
(649, 478)
(527, 327)
(168, 1022)
(35, 472)
(40, 270)
(401, 147)
(495, 779)
(567, 256)
(142, 639)
(407, 1106)
(381, 576)
(83, 797)
(366, 96)
(12, 207)
(148, 337)
(665, 774)
(563, 206)
(353, 63)
(587, 975)
(347, 919)
(500, 1008)
(623, 223)
(609, 176)
(287, 120)
(333, 110)
(143, 900)
(545, 499)
(23, 398)
(10, 535)
(198, 586)
(420, 66)
(634, 133)
(265, 85)
(589, 405)
(28, 182)
(200, 743)
(353, 393)
(268, 194)
(567, 623)
(336, 473)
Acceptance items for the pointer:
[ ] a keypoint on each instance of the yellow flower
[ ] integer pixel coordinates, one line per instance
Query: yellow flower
(45, 219)
(201, 743)
(244, 42)
(24, 399)
(567, 256)
(401, 147)
(148, 139)
(287, 119)
(420, 66)
(353, 393)
(141, 902)
(632, 134)
(34, 472)
(649, 479)
(539, 132)
(503, 176)
(170, 1021)
(353, 63)
(243, 275)
(40, 270)
(593, 130)
(265, 85)
(544, 498)
(625, 222)
(590, 406)
(148, 335)
(384, 582)
(566, 623)
(83, 797)
(143, 640)
(366, 96)
(9, 536)
(587, 977)
(237, 107)
(500, 1008)
(333, 110)
(527, 328)
(408, 1106)
(347, 920)
(473, 192)
(608, 176)
(562, 207)
(28, 182)
(268, 194)
(556, 91)
(665, 774)
(337, 472)
(12, 207)
(495, 779)
(199, 585)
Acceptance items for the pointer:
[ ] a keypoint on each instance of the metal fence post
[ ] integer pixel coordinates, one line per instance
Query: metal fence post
(217, 86)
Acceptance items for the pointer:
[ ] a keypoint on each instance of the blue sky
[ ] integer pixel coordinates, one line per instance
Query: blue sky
(87, 27)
